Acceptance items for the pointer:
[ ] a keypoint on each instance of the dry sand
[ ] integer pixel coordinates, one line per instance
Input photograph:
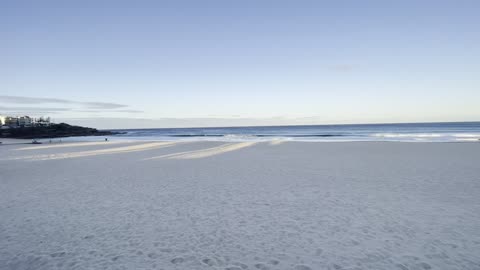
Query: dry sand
(217, 205)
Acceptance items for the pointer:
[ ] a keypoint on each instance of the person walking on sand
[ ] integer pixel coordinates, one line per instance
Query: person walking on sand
(106, 139)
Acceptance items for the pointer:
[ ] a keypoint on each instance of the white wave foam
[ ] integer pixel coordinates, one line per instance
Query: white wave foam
(408, 135)
(467, 135)
(467, 139)
(428, 137)
(58, 145)
(117, 150)
(277, 142)
(206, 152)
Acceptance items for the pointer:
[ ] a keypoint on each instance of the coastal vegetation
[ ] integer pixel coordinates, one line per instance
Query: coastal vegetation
(51, 131)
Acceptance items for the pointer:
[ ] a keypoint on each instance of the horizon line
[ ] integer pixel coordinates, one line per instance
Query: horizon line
(312, 125)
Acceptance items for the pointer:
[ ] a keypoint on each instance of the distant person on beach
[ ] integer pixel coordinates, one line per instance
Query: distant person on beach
(106, 139)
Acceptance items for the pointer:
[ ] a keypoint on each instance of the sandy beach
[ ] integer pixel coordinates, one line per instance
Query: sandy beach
(240, 205)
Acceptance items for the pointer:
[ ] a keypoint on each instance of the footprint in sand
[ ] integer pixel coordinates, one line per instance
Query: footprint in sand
(209, 262)
(424, 265)
(241, 265)
(57, 254)
(302, 267)
(273, 262)
(177, 260)
(261, 266)
(116, 258)
(152, 255)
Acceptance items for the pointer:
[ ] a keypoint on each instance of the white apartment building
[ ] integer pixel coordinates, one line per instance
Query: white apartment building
(25, 121)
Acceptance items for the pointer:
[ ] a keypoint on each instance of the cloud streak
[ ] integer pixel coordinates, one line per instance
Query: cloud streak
(33, 109)
(43, 106)
(39, 101)
(119, 111)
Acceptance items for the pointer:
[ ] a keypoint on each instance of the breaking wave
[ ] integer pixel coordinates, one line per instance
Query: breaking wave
(414, 132)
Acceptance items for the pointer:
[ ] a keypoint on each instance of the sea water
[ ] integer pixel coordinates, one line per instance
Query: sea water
(408, 132)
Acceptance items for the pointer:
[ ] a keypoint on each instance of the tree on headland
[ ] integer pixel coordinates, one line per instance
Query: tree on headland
(52, 131)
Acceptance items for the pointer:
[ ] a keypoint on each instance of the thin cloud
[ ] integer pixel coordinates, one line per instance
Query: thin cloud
(129, 111)
(102, 111)
(31, 100)
(30, 113)
(102, 105)
(36, 100)
(32, 109)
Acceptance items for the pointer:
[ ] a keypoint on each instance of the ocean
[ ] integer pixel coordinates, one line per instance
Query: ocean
(407, 132)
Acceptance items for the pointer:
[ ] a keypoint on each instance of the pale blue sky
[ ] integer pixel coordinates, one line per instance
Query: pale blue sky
(209, 63)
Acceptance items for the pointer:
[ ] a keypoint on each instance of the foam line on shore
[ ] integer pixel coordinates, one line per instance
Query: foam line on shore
(224, 148)
(58, 145)
(276, 142)
(117, 150)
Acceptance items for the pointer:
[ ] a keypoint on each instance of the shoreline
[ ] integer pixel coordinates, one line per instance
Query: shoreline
(8, 141)
(413, 132)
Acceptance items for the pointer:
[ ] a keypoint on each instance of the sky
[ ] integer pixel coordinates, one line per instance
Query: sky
(144, 64)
